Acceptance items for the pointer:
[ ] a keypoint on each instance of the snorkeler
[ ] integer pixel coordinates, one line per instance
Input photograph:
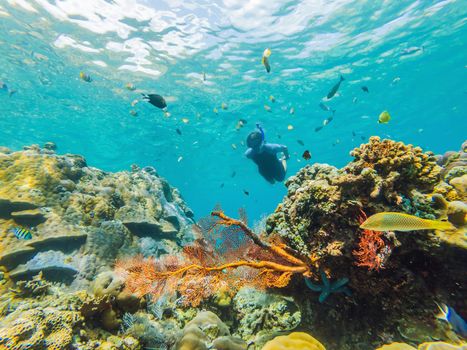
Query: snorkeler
(265, 156)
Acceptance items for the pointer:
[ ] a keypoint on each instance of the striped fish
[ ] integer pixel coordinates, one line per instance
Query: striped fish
(22, 233)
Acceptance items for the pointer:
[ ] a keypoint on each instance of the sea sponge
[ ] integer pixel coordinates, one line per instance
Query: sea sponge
(294, 341)
(201, 331)
(396, 346)
(441, 346)
(107, 283)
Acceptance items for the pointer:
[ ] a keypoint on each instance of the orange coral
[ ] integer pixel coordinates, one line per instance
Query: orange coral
(226, 256)
(372, 249)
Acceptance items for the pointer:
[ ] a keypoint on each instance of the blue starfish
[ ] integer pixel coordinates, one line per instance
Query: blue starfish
(327, 287)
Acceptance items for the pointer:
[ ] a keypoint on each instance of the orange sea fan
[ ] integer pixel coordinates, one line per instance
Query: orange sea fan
(226, 257)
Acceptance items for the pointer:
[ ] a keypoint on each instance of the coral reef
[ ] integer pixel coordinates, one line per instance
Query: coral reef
(395, 277)
(81, 218)
(219, 284)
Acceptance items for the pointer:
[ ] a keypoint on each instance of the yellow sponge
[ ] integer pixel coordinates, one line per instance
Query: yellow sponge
(294, 341)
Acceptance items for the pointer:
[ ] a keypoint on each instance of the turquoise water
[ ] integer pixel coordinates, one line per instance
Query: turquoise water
(164, 48)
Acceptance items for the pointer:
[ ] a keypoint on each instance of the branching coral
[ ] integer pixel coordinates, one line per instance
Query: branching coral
(227, 256)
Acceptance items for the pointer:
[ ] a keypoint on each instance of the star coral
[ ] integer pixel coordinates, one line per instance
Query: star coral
(40, 328)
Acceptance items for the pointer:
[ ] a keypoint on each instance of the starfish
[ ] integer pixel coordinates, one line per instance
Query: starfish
(328, 287)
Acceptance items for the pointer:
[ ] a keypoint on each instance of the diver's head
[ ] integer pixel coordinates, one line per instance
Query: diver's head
(254, 139)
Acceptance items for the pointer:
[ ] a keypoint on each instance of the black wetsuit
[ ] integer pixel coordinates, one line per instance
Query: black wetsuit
(269, 166)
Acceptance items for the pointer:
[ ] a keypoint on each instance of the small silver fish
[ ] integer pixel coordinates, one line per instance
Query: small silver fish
(326, 108)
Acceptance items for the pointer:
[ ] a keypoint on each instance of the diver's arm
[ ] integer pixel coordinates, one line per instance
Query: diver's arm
(276, 148)
(248, 152)
(285, 150)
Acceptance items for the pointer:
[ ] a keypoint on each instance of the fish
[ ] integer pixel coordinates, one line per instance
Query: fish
(215, 110)
(272, 98)
(267, 108)
(166, 114)
(306, 155)
(85, 77)
(394, 221)
(156, 100)
(318, 128)
(3, 86)
(411, 50)
(354, 134)
(178, 131)
(204, 76)
(185, 120)
(233, 173)
(130, 86)
(290, 127)
(179, 159)
(334, 89)
(292, 110)
(246, 192)
(327, 121)
(326, 108)
(456, 322)
(134, 103)
(265, 60)
(133, 113)
(224, 106)
(301, 143)
(222, 185)
(365, 89)
(22, 233)
(91, 214)
(240, 124)
(384, 117)
(396, 80)
(354, 100)
(234, 146)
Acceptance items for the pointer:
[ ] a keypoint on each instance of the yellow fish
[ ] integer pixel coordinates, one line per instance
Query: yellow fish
(86, 77)
(265, 60)
(224, 106)
(392, 221)
(384, 117)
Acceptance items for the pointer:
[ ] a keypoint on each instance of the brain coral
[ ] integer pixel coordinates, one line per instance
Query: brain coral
(294, 341)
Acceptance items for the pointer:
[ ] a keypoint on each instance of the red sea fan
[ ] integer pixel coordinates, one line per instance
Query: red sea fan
(372, 248)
